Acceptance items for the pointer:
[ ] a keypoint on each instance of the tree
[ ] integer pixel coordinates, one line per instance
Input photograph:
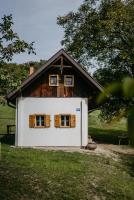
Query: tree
(10, 44)
(103, 30)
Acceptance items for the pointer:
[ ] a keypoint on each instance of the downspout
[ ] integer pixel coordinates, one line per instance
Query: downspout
(81, 121)
(16, 121)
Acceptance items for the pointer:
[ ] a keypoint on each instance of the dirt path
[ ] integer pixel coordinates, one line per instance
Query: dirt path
(124, 149)
(107, 150)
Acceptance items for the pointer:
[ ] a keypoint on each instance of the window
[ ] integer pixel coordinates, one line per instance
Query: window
(69, 80)
(39, 121)
(53, 80)
(65, 121)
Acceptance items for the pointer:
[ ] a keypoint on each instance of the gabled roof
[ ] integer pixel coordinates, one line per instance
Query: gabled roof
(39, 72)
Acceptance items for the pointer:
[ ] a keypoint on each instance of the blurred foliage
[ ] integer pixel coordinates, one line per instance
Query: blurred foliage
(126, 89)
(122, 88)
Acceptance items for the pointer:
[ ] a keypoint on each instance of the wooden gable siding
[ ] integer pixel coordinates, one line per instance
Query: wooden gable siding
(41, 88)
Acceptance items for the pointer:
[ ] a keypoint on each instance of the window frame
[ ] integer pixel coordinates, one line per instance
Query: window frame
(57, 80)
(72, 76)
(69, 120)
(35, 121)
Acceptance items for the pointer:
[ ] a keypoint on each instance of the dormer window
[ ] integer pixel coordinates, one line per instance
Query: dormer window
(53, 80)
(69, 80)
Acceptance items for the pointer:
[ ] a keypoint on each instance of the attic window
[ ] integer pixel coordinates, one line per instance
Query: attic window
(53, 80)
(69, 80)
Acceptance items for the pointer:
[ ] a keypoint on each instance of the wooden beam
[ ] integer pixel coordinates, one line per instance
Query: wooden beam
(62, 61)
(56, 65)
(64, 66)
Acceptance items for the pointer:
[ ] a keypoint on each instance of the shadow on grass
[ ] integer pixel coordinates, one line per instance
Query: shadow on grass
(107, 136)
(128, 162)
(7, 139)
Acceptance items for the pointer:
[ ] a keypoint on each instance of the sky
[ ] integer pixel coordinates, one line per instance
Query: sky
(35, 20)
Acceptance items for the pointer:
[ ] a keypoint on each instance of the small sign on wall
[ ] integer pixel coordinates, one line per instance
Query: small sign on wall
(77, 109)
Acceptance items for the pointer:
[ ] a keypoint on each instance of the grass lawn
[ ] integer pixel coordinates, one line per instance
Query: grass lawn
(28, 174)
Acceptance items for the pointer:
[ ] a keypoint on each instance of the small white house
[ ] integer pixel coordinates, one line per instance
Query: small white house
(52, 104)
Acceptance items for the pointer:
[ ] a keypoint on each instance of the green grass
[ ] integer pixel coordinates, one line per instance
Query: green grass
(35, 174)
(106, 133)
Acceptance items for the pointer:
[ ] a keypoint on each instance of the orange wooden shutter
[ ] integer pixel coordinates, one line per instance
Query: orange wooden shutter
(31, 121)
(57, 120)
(47, 121)
(73, 121)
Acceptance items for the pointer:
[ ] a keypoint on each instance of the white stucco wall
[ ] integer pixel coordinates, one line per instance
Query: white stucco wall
(52, 136)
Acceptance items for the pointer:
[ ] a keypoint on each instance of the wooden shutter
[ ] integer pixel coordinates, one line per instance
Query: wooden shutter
(31, 121)
(73, 121)
(47, 121)
(57, 120)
